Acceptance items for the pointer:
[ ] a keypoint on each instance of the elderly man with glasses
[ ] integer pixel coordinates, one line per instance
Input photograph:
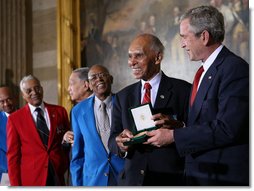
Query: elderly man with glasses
(92, 164)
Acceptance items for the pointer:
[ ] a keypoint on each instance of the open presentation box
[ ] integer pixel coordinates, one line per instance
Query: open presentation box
(141, 116)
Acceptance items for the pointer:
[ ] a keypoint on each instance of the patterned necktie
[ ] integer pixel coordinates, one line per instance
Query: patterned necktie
(104, 125)
(147, 96)
(42, 126)
(195, 84)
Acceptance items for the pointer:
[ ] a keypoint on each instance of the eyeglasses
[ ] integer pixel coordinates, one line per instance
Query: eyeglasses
(97, 76)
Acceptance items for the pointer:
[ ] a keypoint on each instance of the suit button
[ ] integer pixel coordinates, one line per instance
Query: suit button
(142, 172)
(105, 174)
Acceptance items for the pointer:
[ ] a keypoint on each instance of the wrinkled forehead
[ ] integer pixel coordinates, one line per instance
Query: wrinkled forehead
(74, 76)
(97, 70)
(135, 51)
(138, 45)
(30, 83)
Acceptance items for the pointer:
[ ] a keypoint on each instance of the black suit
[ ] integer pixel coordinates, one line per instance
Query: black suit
(159, 166)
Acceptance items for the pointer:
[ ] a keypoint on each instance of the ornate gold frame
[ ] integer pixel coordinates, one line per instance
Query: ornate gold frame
(68, 46)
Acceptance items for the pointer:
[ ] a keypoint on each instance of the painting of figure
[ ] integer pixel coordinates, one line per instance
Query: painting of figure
(107, 27)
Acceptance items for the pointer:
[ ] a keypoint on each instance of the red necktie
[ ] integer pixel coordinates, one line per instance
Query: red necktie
(195, 84)
(147, 96)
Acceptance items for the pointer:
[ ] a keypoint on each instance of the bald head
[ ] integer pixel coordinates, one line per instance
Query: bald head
(100, 81)
(151, 41)
(145, 56)
(7, 100)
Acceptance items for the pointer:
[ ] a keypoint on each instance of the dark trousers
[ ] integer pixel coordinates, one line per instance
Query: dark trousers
(163, 179)
(52, 178)
(112, 179)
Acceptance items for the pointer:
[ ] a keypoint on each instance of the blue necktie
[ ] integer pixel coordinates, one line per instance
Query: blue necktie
(42, 126)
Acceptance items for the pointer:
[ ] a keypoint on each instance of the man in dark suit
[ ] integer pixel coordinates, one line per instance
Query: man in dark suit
(35, 159)
(215, 141)
(153, 163)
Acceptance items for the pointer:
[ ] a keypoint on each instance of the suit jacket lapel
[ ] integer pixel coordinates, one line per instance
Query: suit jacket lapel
(89, 118)
(53, 124)
(164, 93)
(202, 91)
(32, 126)
(135, 98)
(204, 86)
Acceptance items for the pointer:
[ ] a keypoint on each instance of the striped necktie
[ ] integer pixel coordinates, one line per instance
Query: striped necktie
(104, 125)
(42, 126)
(147, 96)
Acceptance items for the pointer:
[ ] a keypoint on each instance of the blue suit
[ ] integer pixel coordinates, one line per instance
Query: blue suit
(3, 147)
(90, 164)
(216, 139)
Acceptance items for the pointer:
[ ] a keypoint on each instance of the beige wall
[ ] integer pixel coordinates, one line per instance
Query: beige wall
(44, 15)
(15, 42)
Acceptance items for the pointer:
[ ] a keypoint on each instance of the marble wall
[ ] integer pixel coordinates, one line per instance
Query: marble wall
(44, 14)
(15, 42)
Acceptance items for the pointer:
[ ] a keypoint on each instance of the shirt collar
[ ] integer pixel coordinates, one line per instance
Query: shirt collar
(154, 81)
(211, 58)
(32, 108)
(107, 101)
(7, 114)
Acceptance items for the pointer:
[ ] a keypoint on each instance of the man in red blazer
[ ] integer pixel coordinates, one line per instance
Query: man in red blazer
(30, 161)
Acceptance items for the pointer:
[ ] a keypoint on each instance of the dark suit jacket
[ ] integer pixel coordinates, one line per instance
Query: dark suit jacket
(215, 141)
(172, 98)
(27, 156)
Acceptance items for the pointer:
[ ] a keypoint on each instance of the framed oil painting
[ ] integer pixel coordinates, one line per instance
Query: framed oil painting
(108, 26)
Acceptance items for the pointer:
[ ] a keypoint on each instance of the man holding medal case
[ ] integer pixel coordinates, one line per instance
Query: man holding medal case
(152, 162)
(143, 119)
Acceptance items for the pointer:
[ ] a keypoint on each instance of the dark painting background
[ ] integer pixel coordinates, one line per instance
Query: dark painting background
(108, 26)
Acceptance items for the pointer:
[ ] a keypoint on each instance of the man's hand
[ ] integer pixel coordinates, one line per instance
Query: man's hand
(69, 137)
(160, 137)
(165, 134)
(167, 122)
(126, 135)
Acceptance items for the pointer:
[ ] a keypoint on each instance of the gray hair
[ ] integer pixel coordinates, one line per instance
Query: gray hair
(206, 18)
(26, 78)
(82, 73)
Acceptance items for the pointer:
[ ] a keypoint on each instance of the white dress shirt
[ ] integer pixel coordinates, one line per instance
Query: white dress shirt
(45, 113)
(209, 61)
(154, 82)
